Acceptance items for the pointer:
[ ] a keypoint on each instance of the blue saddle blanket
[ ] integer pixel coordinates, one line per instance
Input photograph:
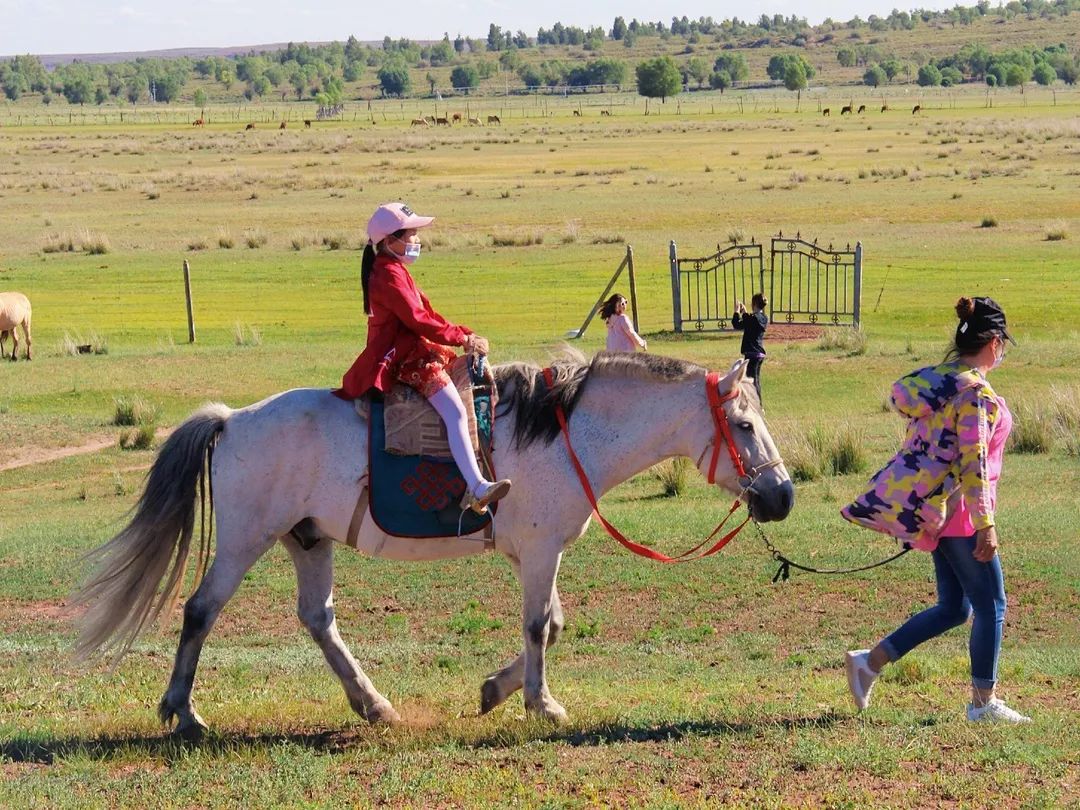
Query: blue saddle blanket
(419, 496)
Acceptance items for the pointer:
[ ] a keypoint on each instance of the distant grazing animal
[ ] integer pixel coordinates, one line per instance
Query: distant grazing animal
(249, 126)
(476, 122)
(605, 112)
(884, 107)
(577, 112)
(456, 118)
(198, 122)
(419, 122)
(282, 125)
(307, 123)
(825, 112)
(430, 119)
(494, 119)
(15, 311)
(445, 122)
(916, 108)
(846, 109)
(862, 109)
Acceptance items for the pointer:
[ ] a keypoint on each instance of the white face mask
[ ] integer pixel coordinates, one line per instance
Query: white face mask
(411, 254)
(999, 356)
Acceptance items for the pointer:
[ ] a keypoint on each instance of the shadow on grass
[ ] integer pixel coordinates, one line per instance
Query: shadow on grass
(609, 733)
(167, 746)
(46, 751)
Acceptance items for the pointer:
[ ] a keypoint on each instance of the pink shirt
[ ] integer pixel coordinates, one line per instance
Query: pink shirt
(958, 523)
(621, 336)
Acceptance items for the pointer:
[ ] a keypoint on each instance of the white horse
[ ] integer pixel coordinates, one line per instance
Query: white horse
(291, 468)
(15, 311)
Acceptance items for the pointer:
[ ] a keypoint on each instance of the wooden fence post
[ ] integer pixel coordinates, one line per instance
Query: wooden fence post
(187, 296)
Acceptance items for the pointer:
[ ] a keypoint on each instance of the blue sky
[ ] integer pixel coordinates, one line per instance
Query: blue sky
(91, 26)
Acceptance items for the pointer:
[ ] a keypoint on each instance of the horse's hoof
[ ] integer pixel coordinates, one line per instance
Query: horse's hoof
(490, 695)
(382, 713)
(550, 712)
(192, 731)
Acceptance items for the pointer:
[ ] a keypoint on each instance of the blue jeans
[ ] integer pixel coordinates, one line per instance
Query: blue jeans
(964, 586)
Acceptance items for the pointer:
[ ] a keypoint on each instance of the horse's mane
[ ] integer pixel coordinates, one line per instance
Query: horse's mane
(523, 392)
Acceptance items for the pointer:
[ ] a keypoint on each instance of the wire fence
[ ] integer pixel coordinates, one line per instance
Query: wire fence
(602, 101)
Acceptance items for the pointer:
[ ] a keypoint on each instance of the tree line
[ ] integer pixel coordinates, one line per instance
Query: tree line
(320, 72)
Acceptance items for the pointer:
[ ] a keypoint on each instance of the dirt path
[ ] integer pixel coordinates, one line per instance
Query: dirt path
(27, 456)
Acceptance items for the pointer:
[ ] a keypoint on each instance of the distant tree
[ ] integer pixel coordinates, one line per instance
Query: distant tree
(135, 86)
(1068, 73)
(459, 43)
(394, 79)
(846, 57)
(607, 71)
(929, 76)
(430, 79)
(875, 76)
(261, 86)
(531, 75)
(1044, 74)
(494, 38)
(101, 93)
(353, 71)
(658, 78)
(79, 88)
(778, 66)
(950, 76)
(1017, 75)
(510, 60)
(200, 98)
(441, 53)
(795, 80)
(991, 80)
(720, 80)
(618, 29)
(734, 64)
(464, 77)
(698, 70)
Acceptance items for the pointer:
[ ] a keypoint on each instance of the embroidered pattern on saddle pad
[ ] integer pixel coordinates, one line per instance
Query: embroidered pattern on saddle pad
(416, 496)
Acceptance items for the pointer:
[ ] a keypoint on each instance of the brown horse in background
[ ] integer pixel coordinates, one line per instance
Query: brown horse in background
(15, 312)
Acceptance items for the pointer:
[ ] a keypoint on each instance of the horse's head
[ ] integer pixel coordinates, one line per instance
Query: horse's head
(766, 487)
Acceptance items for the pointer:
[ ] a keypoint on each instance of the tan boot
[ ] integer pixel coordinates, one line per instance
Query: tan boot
(489, 494)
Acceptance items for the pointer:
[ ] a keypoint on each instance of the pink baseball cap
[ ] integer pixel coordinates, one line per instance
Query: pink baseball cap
(393, 217)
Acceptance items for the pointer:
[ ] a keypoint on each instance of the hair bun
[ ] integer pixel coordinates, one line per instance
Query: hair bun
(965, 308)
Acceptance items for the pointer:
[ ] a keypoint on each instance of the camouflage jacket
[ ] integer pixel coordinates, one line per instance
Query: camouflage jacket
(951, 410)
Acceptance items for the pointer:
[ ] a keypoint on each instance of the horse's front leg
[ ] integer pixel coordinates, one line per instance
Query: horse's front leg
(315, 606)
(539, 568)
(498, 686)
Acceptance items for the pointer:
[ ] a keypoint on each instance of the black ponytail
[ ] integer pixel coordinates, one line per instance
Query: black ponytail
(367, 264)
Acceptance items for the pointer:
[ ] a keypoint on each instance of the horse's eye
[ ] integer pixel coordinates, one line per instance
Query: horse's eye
(747, 426)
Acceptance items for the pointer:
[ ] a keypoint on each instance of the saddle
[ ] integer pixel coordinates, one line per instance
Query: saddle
(414, 485)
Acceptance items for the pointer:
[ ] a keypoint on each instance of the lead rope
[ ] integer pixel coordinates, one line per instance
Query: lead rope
(784, 572)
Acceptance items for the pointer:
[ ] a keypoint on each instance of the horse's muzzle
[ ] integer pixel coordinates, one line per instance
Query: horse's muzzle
(772, 503)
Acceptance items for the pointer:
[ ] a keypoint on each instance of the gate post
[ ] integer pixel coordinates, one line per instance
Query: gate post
(857, 305)
(633, 286)
(676, 292)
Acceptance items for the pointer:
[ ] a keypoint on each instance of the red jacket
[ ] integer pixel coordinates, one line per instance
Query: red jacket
(400, 316)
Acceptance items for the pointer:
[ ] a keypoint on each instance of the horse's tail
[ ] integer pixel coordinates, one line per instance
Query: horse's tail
(125, 592)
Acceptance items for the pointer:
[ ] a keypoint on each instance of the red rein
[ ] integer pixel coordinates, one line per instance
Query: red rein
(722, 436)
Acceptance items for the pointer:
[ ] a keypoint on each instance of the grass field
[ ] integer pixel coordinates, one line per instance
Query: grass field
(698, 686)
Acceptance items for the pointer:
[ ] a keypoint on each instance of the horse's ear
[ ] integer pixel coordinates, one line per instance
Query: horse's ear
(734, 377)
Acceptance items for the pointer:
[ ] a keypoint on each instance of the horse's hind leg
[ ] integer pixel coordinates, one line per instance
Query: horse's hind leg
(3, 341)
(26, 334)
(315, 606)
(200, 612)
(500, 685)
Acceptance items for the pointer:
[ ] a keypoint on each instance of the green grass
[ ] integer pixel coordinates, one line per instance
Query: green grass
(698, 684)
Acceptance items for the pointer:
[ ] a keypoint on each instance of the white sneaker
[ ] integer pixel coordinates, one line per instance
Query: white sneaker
(995, 712)
(860, 678)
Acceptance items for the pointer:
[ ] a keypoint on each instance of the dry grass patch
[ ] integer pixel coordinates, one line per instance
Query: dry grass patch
(1056, 231)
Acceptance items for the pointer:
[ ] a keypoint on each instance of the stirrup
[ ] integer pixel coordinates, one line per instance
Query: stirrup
(493, 492)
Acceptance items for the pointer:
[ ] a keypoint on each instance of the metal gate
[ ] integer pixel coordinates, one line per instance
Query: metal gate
(805, 283)
(704, 290)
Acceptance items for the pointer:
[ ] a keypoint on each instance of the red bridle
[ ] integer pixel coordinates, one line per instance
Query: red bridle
(722, 436)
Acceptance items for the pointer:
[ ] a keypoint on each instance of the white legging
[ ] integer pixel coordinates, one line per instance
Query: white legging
(447, 403)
